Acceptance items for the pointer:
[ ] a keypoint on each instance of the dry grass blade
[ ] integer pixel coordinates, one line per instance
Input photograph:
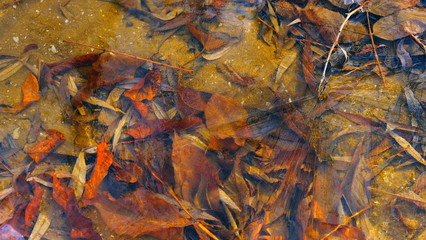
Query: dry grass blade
(370, 32)
(405, 144)
(13, 68)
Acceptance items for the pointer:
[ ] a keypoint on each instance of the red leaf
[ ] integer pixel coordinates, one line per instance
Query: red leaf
(104, 160)
(45, 147)
(141, 107)
(129, 173)
(34, 204)
(308, 68)
(30, 94)
(138, 213)
(81, 226)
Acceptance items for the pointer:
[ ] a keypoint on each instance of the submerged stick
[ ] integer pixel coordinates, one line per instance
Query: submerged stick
(323, 82)
(131, 56)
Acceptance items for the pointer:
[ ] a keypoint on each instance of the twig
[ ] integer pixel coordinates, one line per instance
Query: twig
(418, 42)
(346, 222)
(323, 82)
(370, 32)
(131, 56)
(359, 68)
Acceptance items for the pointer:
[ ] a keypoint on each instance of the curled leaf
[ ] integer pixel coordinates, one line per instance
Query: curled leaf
(30, 94)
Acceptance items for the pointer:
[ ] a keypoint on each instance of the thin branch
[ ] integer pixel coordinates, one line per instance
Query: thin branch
(370, 32)
(346, 222)
(131, 56)
(323, 82)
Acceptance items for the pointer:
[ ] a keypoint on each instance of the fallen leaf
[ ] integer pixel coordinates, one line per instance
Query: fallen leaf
(129, 173)
(138, 213)
(194, 174)
(81, 226)
(49, 71)
(79, 172)
(328, 23)
(401, 24)
(43, 148)
(106, 70)
(209, 41)
(147, 88)
(104, 159)
(30, 94)
(387, 7)
(225, 117)
(34, 204)
(7, 232)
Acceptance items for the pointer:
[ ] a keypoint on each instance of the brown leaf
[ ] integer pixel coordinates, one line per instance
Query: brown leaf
(190, 101)
(108, 69)
(81, 226)
(43, 148)
(401, 24)
(387, 7)
(226, 118)
(148, 128)
(308, 68)
(138, 213)
(129, 173)
(30, 94)
(104, 160)
(328, 23)
(209, 41)
(53, 69)
(194, 173)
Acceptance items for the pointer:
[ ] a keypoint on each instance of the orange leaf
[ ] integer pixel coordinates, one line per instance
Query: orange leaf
(43, 148)
(129, 173)
(147, 88)
(226, 118)
(209, 41)
(104, 160)
(30, 93)
(34, 204)
(81, 226)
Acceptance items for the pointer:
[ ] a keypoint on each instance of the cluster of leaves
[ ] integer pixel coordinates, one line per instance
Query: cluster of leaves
(173, 162)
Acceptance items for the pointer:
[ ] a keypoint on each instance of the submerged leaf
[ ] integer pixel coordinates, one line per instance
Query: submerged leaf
(194, 173)
(30, 94)
(401, 24)
(138, 213)
(81, 226)
(104, 160)
(328, 23)
(387, 7)
(45, 147)
(225, 117)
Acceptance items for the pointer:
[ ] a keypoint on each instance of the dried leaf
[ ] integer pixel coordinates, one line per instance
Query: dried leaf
(138, 213)
(308, 68)
(30, 94)
(43, 148)
(108, 69)
(147, 88)
(129, 173)
(13, 68)
(225, 117)
(210, 41)
(42, 224)
(104, 160)
(194, 173)
(34, 204)
(387, 7)
(328, 23)
(148, 128)
(401, 24)
(405, 144)
(51, 70)
(81, 226)
(79, 171)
